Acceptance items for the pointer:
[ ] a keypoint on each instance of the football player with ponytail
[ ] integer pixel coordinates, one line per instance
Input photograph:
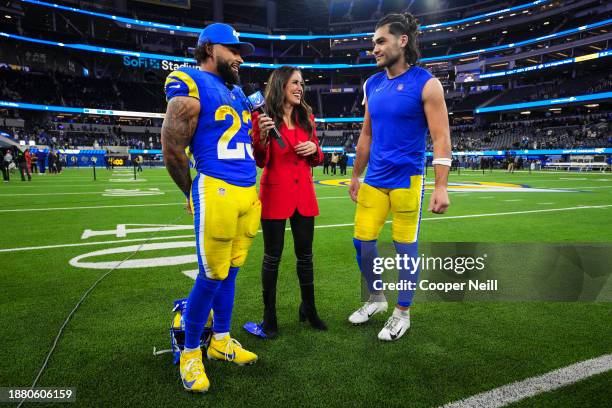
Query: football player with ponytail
(392, 146)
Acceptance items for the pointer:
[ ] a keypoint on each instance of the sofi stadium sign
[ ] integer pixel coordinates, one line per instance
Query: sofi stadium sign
(149, 63)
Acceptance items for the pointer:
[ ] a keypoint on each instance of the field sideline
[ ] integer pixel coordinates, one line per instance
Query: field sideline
(453, 351)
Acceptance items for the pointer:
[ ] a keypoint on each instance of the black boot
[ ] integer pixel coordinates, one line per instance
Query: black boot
(269, 275)
(307, 308)
(269, 323)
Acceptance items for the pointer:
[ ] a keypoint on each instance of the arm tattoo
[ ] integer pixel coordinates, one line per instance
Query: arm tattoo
(177, 130)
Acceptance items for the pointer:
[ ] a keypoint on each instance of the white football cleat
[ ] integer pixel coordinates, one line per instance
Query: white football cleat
(394, 328)
(368, 310)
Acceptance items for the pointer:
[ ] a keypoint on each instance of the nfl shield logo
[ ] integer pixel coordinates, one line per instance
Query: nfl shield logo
(400, 87)
(221, 191)
(256, 100)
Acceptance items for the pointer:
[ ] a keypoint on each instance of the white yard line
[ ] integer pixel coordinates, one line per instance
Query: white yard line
(75, 193)
(586, 188)
(516, 391)
(88, 207)
(433, 218)
(79, 244)
(536, 172)
(584, 207)
(49, 194)
(101, 183)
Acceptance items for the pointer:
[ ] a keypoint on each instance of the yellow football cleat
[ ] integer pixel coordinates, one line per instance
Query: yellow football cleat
(192, 372)
(229, 349)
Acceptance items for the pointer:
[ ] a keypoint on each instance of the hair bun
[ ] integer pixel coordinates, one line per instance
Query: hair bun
(411, 22)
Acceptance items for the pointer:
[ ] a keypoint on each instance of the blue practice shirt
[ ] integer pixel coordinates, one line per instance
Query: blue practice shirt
(399, 127)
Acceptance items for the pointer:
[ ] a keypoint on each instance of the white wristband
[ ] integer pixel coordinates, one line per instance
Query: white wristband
(443, 161)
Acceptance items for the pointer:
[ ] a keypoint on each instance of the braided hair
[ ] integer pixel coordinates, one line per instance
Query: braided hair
(404, 24)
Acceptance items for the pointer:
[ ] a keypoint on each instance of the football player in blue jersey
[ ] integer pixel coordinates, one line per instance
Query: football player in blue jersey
(401, 103)
(208, 114)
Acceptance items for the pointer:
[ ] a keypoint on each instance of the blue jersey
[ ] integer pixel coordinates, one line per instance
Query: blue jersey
(399, 127)
(221, 145)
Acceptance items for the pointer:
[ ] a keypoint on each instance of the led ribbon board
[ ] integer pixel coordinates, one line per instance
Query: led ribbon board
(185, 60)
(552, 64)
(108, 112)
(171, 27)
(546, 102)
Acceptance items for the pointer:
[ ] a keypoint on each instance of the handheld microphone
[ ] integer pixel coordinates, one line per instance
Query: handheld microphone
(256, 102)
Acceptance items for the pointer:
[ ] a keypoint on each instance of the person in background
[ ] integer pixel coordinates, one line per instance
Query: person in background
(334, 162)
(6, 160)
(34, 161)
(326, 161)
(22, 163)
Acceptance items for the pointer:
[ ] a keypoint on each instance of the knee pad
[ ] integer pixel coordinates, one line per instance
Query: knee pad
(218, 271)
(239, 257)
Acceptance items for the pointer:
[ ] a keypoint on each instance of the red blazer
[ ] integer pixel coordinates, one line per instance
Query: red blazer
(286, 182)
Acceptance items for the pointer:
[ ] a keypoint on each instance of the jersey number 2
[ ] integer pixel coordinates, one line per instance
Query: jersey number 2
(223, 149)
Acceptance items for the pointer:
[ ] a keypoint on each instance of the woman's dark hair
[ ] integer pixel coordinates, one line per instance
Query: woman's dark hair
(404, 24)
(275, 97)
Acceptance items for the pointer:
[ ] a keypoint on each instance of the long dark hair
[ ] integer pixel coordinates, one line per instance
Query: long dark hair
(275, 96)
(404, 24)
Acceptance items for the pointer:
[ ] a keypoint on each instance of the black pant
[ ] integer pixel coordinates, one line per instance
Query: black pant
(24, 169)
(302, 229)
(5, 172)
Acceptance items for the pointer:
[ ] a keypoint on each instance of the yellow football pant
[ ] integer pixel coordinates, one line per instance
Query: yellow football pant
(226, 219)
(373, 205)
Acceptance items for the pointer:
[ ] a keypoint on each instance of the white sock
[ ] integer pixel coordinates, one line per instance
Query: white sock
(189, 350)
(221, 336)
(380, 297)
(402, 314)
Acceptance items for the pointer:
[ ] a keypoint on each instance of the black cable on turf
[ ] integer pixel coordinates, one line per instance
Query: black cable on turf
(82, 299)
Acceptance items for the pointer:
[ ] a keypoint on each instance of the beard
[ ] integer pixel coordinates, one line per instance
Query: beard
(227, 74)
(389, 61)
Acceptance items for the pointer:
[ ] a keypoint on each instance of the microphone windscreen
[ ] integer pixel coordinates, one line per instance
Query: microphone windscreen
(256, 101)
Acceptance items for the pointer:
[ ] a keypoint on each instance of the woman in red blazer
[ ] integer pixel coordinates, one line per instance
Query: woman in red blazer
(286, 191)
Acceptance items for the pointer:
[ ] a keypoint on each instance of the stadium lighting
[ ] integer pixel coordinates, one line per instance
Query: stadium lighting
(7, 16)
(592, 105)
(526, 113)
(32, 143)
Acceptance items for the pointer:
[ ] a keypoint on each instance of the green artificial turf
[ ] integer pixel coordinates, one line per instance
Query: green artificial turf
(453, 350)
